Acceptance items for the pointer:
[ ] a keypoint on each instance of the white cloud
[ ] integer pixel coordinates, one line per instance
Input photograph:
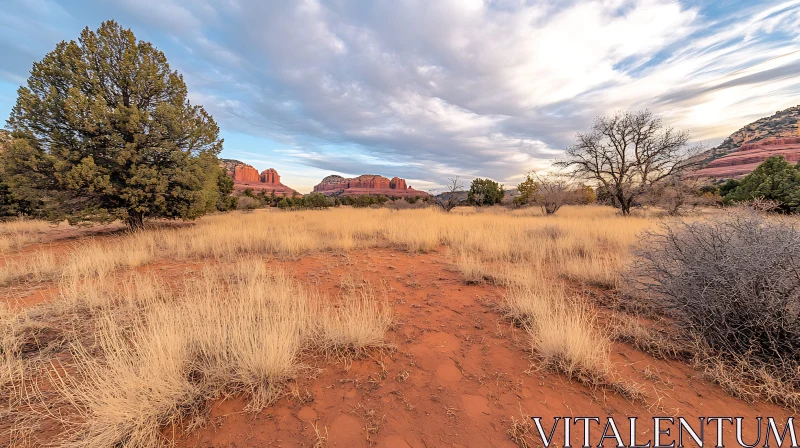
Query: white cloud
(427, 89)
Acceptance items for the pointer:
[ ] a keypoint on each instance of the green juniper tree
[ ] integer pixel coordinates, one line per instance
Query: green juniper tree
(224, 189)
(775, 180)
(527, 190)
(104, 130)
(485, 192)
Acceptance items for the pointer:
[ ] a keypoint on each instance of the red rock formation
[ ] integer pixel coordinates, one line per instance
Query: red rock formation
(270, 176)
(245, 173)
(366, 184)
(747, 157)
(245, 176)
(397, 184)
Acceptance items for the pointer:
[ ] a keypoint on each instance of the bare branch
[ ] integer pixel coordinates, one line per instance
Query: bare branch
(627, 154)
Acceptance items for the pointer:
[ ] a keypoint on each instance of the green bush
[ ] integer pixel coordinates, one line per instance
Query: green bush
(485, 192)
(315, 200)
(774, 180)
(364, 200)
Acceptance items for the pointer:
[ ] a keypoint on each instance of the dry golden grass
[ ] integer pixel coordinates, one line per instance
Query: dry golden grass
(155, 355)
(496, 236)
(521, 431)
(89, 259)
(39, 266)
(585, 244)
(747, 380)
(563, 329)
(356, 322)
(471, 267)
(136, 386)
(125, 292)
(10, 364)
(658, 344)
(16, 234)
(94, 259)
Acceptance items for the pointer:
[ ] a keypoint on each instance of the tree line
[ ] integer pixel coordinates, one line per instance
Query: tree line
(248, 199)
(635, 160)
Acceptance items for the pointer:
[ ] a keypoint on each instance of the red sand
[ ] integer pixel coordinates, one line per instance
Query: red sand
(458, 375)
(468, 373)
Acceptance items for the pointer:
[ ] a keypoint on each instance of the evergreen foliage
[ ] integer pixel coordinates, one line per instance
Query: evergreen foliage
(104, 130)
(485, 192)
(774, 180)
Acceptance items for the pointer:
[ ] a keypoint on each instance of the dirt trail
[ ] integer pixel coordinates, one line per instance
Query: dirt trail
(457, 377)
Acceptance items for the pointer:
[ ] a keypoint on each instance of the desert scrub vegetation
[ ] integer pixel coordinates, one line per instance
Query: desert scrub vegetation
(15, 234)
(354, 322)
(585, 244)
(88, 259)
(141, 355)
(154, 357)
(732, 282)
(563, 331)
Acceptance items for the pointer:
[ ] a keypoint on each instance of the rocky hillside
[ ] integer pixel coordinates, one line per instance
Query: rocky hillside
(784, 123)
(230, 164)
(745, 149)
(744, 159)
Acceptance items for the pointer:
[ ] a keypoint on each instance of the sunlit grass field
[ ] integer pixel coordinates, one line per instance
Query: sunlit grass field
(144, 354)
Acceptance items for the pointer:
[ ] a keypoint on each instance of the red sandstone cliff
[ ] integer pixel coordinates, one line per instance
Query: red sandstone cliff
(366, 184)
(245, 176)
(747, 157)
(770, 134)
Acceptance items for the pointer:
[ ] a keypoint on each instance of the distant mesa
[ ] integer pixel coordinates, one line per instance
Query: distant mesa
(366, 184)
(245, 176)
(747, 157)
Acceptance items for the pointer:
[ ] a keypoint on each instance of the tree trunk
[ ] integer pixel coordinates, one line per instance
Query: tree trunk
(135, 220)
(625, 206)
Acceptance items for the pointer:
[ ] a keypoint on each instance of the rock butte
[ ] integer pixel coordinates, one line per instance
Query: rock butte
(747, 157)
(245, 176)
(366, 184)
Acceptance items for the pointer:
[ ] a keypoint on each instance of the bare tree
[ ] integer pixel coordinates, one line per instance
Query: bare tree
(550, 192)
(553, 193)
(449, 199)
(627, 154)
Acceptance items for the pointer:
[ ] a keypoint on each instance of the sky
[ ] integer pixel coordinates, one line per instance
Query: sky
(431, 89)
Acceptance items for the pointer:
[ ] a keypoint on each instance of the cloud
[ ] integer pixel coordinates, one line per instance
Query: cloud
(476, 88)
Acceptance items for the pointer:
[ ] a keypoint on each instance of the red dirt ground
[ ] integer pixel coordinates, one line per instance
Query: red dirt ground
(468, 374)
(456, 376)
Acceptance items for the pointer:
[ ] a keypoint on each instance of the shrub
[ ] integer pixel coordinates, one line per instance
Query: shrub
(775, 180)
(245, 202)
(732, 281)
(485, 192)
(363, 200)
(728, 187)
(315, 200)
